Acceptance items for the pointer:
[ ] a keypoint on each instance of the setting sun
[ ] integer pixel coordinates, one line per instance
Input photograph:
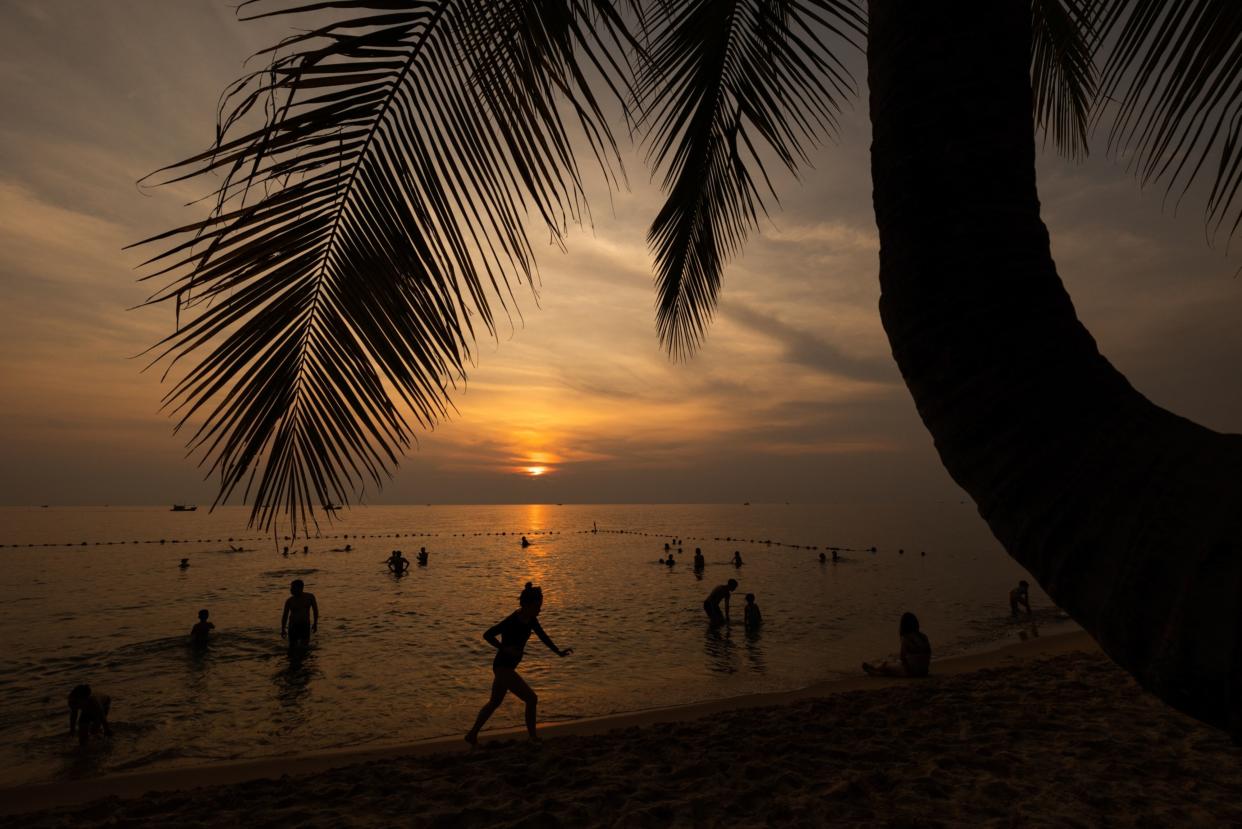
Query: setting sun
(536, 471)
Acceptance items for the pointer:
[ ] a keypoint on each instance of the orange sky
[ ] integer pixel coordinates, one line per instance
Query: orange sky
(794, 397)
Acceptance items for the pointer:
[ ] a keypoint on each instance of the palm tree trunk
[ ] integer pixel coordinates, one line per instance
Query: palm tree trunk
(1128, 515)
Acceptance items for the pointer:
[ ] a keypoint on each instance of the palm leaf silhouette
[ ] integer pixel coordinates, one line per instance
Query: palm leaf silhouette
(363, 228)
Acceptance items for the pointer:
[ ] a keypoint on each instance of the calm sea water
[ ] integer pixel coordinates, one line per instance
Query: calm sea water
(403, 659)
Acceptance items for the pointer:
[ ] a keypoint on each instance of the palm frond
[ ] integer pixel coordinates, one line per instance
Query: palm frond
(376, 179)
(1064, 38)
(729, 85)
(1174, 72)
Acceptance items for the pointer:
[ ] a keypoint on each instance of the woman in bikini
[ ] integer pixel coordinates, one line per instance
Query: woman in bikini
(509, 638)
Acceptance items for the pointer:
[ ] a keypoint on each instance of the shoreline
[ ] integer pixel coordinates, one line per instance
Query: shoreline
(40, 796)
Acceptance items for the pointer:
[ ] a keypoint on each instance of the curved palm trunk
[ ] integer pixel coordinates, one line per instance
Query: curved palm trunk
(1129, 516)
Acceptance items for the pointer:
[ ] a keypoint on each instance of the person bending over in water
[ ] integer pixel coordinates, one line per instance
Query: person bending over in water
(201, 632)
(737, 558)
(751, 616)
(88, 713)
(915, 652)
(397, 563)
(699, 561)
(712, 603)
(1020, 596)
(296, 622)
(509, 638)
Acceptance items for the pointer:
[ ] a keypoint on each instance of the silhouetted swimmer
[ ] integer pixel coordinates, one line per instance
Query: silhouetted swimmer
(835, 556)
(285, 552)
(822, 558)
(525, 543)
(670, 561)
(509, 638)
(666, 547)
(699, 561)
(296, 621)
(1020, 596)
(915, 652)
(422, 557)
(185, 562)
(200, 634)
(397, 563)
(751, 617)
(305, 549)
(712, 603)
(88, 713)
(737, 558)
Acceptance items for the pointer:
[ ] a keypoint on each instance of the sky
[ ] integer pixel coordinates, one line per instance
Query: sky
(794, 397)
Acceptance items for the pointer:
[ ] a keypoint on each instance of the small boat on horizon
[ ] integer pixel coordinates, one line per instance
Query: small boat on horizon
(184, 507)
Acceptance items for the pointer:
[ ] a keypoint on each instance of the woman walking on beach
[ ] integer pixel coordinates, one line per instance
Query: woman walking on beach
(509, 638)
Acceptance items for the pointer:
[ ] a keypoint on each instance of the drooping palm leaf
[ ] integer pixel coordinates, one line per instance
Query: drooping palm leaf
(730, 85)
(363, 228)
(1174, 74)
(1064, 38)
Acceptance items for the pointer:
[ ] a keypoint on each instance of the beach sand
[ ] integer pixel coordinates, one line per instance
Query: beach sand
(1044, 733)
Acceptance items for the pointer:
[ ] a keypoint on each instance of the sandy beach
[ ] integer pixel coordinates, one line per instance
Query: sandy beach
(1046, 732)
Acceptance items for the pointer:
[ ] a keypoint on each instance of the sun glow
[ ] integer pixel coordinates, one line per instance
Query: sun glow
(536, 471)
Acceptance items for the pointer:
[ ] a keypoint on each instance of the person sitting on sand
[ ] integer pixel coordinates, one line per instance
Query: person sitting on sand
(915, 652)
(699, 561)
(509, 638)
(397, 563)
(1020, 596)
(88, 713)
(737, 558)
(712, 603)
(201, 632)
(296, 622)
(751, 617)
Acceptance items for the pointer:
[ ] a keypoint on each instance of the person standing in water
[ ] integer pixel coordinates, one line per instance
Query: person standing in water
(737, 558)
(699, 561)
(397, 563)
(296, 621)
(712, 603)
(509, 638)
(88, 713)
(200, 634)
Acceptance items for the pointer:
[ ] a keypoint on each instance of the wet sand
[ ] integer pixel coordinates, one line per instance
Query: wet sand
(1043, 733)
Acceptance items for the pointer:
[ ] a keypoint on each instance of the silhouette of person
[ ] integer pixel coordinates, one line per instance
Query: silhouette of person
(422, 556)
(670, 561)
(285, 552)
(915, 652)
(525, 543)
(822, 558)
(201, 632)
(666, 547)
(835, 556)
(88, 713)
(296, 621)
(509, 638)
(751, 617)
(185, 562)
(699, 561)
(1020, 596)
(712, 603)
(397, 563)
(737, 558)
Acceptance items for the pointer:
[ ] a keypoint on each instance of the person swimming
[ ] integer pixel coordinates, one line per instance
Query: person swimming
(397, 563)
(822, 558)
(737, 558)
(712, 603)
(525, 543)
(915, 657)
(422, 556)
(751, 617)
(185, 562)
(670, 561)
(509, 638)
(200, 634)
(88, 713)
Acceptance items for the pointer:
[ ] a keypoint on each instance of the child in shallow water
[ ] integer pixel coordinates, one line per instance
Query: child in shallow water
(88, 713)
(751, 616)
(201, 632)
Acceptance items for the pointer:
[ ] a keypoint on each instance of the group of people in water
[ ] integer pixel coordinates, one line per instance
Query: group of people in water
(88, 711)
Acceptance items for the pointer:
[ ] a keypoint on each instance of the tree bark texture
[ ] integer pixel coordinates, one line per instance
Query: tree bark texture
(1128, 515)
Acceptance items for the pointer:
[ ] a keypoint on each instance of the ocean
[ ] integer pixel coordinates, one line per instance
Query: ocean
(97, 596)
